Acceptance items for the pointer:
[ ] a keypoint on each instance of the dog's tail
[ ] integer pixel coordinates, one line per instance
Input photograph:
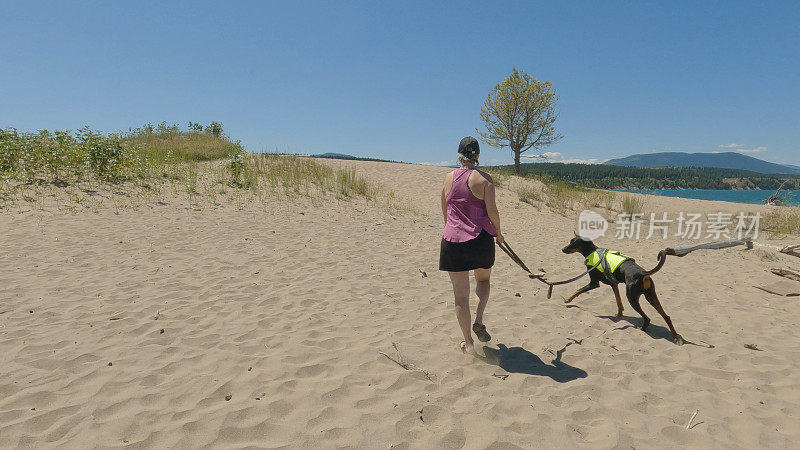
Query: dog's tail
(662, 258)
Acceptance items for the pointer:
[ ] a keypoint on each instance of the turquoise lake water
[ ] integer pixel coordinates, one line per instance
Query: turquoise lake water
(752, 197)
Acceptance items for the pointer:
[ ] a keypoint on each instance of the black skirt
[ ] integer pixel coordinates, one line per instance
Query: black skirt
(474, 254)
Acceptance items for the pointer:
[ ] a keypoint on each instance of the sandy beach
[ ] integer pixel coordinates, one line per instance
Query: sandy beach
(164, 326)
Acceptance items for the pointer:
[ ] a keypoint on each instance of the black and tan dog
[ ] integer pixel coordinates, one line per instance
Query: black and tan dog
(614, 269)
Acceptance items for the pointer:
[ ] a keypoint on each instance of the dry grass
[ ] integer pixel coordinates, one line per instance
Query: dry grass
(782, 221)
(288, 173)
(349, 183)
(305, 176)
(767, 255)
(632, 204)
(499, 178)
(600, 199)
(559, 196)
(529, 194)
(562, 197)
(182, 146)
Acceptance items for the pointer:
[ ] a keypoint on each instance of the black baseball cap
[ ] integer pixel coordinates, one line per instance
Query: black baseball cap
(469, 147)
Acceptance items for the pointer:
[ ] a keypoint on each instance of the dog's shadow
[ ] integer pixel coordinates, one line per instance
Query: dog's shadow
(654, 331)
(519, 360)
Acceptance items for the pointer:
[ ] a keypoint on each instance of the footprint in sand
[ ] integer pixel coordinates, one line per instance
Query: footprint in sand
(597, 433)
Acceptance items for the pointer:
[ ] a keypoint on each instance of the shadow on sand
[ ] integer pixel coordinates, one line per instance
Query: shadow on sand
(654, 331)
(519, 360)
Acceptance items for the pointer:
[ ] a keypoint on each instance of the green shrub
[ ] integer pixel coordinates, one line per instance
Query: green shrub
(236, 166)
(10, 150)
(59, 155)
(107, 158)
(214, 129)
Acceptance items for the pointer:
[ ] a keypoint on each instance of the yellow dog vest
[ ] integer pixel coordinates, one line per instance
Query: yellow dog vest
(613, 258)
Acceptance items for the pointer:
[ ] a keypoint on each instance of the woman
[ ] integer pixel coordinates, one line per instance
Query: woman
(471, 220)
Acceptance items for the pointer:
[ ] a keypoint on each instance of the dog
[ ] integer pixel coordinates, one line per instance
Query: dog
(637, 280)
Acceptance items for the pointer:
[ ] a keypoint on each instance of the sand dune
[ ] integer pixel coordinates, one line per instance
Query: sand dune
(163, 326)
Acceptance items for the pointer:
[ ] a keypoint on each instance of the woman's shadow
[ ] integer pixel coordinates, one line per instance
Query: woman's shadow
(519, 360)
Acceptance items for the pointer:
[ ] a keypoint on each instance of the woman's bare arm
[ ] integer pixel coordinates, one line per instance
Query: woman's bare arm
(491, 208)
(444, 199)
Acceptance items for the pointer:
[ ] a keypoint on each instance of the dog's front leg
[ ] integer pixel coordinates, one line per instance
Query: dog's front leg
(619, 300)
(592, 285)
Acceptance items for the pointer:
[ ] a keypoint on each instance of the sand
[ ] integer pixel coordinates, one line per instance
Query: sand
(166, 326)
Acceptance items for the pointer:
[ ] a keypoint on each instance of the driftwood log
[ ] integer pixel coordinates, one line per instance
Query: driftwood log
(793, 250)
(776, 199)
(686, 249)
(787, 273)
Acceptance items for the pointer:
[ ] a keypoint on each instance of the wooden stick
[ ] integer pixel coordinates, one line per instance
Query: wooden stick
(688, 425)
(400, 354)
(404, 366)
(402, 362)
(686, 249)
(787, 273)
(793, 250)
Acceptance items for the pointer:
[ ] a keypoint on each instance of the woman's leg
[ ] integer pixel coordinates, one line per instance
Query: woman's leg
(460, 282)
(482, 290)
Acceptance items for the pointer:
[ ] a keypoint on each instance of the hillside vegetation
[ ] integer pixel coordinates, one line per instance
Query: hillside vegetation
(157, 163)
(64, 157)
(617, 177)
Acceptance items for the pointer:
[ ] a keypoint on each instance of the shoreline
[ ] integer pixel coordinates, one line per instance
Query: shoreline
(751, 196)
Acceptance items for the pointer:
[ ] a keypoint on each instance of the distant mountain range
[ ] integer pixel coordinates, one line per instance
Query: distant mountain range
(334, 156)
(726, 160)
(349, 157)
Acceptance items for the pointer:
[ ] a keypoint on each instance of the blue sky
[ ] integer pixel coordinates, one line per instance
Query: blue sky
(405, 81)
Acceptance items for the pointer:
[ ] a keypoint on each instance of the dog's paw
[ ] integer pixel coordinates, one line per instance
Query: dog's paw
(566, 300)
(677, 339)
(618, 314)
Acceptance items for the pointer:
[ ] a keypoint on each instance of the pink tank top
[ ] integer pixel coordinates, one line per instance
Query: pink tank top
(466, 214)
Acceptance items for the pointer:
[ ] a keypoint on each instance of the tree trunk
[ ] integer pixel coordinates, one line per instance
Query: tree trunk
(516, 161)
